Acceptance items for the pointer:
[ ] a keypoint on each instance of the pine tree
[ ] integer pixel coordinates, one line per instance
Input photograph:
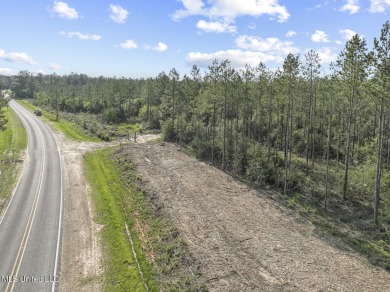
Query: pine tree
(382, 78)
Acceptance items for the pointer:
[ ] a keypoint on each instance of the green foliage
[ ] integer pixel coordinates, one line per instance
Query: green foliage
(263, 169)
(114, 115)
(168, 132)
(71, 130)
(13, 141)
(150, 116)
(292, 128)
(120, 269)
(3, 119)
(161, 253)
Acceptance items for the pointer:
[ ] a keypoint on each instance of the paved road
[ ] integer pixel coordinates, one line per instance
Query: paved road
(30, 228)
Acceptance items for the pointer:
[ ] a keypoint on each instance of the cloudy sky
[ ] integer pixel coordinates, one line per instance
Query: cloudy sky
(141, 38)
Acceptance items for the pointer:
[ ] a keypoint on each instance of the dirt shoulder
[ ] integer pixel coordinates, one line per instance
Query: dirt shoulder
(81, 252)
(244, 240)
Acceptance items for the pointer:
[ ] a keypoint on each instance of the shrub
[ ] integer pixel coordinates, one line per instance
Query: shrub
(168, 131)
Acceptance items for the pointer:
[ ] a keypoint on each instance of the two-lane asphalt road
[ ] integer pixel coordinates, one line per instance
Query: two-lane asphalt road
(30, 228)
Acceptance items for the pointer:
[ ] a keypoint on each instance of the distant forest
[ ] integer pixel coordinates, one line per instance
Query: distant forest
(307, 133)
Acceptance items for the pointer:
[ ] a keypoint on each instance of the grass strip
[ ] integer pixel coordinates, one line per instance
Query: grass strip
(155, 234)
(13, 141)
(71, 130)
(121, 272)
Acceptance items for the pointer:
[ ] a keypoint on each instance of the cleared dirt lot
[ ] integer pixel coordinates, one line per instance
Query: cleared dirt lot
(242, 239)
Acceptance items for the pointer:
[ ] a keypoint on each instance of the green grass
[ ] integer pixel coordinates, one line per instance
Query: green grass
(13, 140)
(121, 273)
(118, 197)
(71, 130)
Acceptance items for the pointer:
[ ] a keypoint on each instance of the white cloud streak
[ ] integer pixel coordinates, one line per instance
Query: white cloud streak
(352, 6)
(216, 26)
(17, 57)
(269, 45)
(6, 71)
(250, 50)
(347, 33)
(63, 10)
(81, 36)
(222, 13)
(290, 34)
(326, 55)
(53, 67)
(320, 37)
(379, 6)
(238, 58)
(129, 44)
(161, 47)
(118, 14)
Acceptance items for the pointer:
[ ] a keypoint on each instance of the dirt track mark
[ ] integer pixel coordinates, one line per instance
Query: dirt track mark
(243, 240)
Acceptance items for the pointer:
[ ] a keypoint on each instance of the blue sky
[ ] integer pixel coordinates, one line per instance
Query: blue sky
(141, 38)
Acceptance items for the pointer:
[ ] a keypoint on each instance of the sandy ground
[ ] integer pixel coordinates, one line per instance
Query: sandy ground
(81, 251)
(81, 254)
(243, 240)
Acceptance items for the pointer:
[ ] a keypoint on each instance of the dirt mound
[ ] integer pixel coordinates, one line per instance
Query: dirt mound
(242, 239)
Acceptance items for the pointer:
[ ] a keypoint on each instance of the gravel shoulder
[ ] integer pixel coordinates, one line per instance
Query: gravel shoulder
(243, 240)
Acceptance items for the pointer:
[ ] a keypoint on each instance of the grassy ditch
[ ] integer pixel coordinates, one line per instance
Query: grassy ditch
(71, 130)
(118, 197)
(13, 141)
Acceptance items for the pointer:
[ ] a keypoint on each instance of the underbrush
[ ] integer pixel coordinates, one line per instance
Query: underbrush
(350, 219)
(71, 130)
(93, 125)
(13, 141)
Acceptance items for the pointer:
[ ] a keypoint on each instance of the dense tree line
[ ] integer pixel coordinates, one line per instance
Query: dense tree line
(270, 127)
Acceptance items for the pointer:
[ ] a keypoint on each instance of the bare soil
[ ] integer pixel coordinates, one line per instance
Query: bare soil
(81, 252)
(241, 238)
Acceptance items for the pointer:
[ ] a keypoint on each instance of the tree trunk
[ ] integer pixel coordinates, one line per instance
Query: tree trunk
(346, 170)
(378, 166)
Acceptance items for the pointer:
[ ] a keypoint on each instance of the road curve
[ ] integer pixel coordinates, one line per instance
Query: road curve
(30, 227)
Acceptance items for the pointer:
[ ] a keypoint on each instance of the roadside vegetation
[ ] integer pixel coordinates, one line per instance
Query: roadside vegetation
(13, 143)
(70, 129)
(318, 136)
(119, 200)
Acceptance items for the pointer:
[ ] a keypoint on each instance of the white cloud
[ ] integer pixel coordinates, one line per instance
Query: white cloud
(379, 6)
(215, 26)
(40, 71)
(63, 10)
(347, 33)
(161, 47)
(81, 36)
(54, 66)
(351, 5)
(6, 71)
(326, 55)
(238, 58)
(271, 45)
(290, 34)
(252, 26)
(129, 44)
(250, 50)
(226, 11)
(118, 13)
(320, 37)
(16, 57)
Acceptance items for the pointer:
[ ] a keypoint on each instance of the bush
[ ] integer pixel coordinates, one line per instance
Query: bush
(261, 171)
(168, 131)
